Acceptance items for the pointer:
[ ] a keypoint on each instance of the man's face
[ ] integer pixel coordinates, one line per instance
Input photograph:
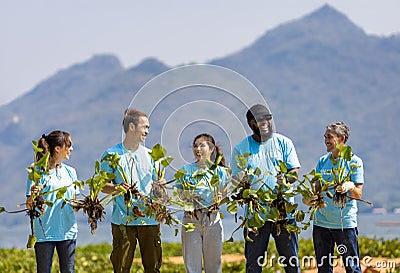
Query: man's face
(142, 129)
(262, 127)
(331, 140)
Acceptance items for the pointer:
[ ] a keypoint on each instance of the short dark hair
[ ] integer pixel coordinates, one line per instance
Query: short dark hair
(131, 115)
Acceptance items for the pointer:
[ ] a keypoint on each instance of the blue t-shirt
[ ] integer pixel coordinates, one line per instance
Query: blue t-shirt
(202, 187)
(138, 167)
(331, 216)
(57, 224)
(266, 156)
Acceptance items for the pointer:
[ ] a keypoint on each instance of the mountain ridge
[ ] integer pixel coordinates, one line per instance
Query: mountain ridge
(310, 72)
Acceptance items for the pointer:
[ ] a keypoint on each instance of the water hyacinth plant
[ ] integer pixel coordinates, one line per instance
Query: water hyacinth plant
(156, 205)
(313, 186)
(92, 205)
(187, 196)
(341, 171)
(251, 192)
(37, 202)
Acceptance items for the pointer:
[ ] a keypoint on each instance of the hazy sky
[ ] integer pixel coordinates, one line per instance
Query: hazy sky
(40, 37)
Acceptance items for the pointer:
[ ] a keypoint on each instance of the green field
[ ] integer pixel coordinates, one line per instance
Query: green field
(95, 258)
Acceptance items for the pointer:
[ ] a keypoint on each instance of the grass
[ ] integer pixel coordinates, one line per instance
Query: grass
(95, 258)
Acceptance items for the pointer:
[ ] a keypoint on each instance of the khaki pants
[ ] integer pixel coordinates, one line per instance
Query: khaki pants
(124, 247)
(203, 243)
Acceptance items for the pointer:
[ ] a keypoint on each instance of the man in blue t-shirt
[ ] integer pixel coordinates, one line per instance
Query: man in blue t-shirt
(336, 223)
(266, 148)
(127, 227)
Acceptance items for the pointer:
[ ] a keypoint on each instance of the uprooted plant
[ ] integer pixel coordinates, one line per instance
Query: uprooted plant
(156, 205)
(92, 205)
(313, 193)
(253, 193)
(35, 205)
(342, 169)
(186, 194)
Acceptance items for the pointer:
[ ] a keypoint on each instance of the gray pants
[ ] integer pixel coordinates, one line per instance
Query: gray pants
(204, 243)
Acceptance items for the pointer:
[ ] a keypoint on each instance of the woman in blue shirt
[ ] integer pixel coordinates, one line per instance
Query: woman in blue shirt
(205, 193)
(56, 226)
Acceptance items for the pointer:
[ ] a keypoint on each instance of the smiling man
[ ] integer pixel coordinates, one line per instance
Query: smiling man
(267, 148)
(128, 229)
(336, 224)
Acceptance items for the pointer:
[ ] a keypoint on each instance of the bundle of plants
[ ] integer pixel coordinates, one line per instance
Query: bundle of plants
(92, 205)
(256, 196)
(313, 194)
(188, 193)
(245, 195)
(35, 205)
(159, 201)
(342, 170)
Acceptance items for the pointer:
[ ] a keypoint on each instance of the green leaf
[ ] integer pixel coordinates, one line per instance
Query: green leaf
(31, 241)
(48, 203)
(36, 149)
(300, 215)
(290, 208)
(2, 209)
(79, 183)
(121, 189)
(264, 195)
(273, 214)
(43, 161)
(215, 180)
(199, 173)
(232, 207)
(60, 192)
(180, 174)
(248, 192)
(189, 227)
(283, 167)
(166, 161)
(345, 152)
(97, 167)
(257, 172)
(241, 161)
(256, 221)
(157, 152)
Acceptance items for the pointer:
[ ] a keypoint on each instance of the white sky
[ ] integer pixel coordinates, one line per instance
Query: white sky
(38, 38)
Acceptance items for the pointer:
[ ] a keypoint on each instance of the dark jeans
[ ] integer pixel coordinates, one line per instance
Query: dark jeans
(286, 245)
(124, 248)
(66, 255)
(347, 246)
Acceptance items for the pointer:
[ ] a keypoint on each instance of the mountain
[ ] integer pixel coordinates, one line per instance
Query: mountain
(311, 71)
